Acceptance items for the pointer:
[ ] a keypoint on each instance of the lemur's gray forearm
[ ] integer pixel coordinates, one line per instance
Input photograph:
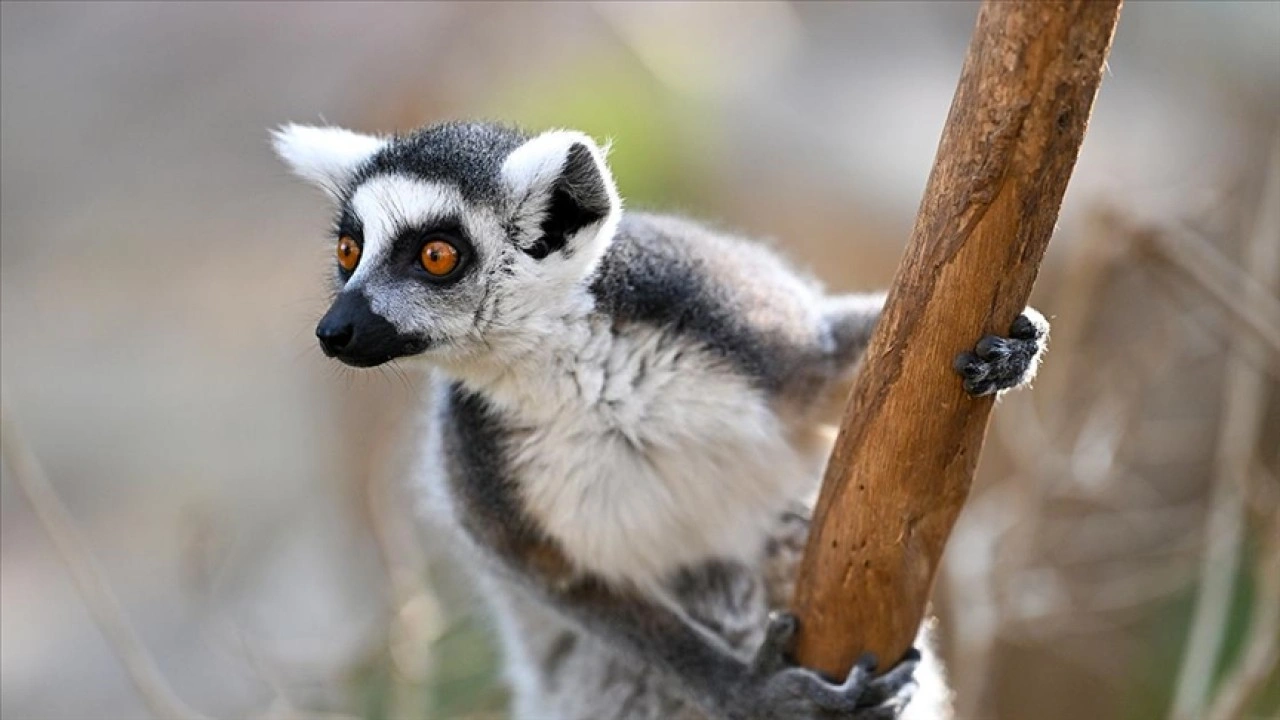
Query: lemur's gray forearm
(849, 321)
(770, 687)
(689, 657)
(852, 319)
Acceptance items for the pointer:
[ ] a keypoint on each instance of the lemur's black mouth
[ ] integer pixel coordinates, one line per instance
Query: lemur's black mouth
(411, 347)
(354, 334)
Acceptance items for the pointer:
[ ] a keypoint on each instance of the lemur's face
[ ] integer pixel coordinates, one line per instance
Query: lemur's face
(452, 241)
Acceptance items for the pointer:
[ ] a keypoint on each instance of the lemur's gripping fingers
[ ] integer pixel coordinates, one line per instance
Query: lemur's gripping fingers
(777, 689)
(779, 640)
(1000, 363)
(887, 696)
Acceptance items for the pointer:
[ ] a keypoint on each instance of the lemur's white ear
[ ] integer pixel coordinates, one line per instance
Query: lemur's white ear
(325, 156)
(563, 192)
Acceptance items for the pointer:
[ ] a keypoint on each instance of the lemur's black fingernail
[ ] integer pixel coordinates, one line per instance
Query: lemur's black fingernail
(990, 345)
(868, 661)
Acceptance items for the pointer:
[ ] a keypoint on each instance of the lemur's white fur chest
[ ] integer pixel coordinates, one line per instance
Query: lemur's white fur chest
(640, 452)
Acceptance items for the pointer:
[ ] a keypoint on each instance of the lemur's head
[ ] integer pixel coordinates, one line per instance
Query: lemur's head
(454, 239)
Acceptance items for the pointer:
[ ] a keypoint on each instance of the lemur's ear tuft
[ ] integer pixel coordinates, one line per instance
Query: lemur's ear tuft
(563, 193)
(325, 156)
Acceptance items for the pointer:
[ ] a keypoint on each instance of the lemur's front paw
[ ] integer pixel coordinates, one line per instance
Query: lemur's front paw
(778, 689)
(999, 363)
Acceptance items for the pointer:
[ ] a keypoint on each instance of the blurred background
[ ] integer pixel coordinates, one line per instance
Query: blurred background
(231, 536)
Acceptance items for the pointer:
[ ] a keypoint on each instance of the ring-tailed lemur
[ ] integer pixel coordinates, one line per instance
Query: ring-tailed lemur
(623, 417)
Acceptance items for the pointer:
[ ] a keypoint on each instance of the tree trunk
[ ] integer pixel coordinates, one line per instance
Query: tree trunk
(910, 437)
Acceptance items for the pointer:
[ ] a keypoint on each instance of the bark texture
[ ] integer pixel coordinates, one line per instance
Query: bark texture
(910, 437)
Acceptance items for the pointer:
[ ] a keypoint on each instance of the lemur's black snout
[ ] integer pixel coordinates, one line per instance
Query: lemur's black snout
(353, 333)
(335, 335)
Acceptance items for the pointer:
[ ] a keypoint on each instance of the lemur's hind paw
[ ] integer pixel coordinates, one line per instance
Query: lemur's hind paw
(887, 696)
(1000, 363)
(778, 689)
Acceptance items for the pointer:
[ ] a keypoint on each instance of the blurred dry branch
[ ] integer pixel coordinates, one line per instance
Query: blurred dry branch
(89, 579)
(1244, 409)
(101, 601)
(1245, 400)
(1262, 651)
(1248, 301)
(415, 611)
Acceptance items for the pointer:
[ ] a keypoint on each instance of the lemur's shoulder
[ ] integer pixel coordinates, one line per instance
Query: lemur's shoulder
(737, 296)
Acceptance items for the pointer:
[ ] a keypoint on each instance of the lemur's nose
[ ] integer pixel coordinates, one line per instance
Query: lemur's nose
(353, 333)
(335, 334)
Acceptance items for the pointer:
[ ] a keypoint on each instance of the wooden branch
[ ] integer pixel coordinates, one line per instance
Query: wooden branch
(910, 438)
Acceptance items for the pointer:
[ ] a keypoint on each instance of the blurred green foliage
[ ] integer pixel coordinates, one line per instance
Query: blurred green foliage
(463, 683)
(658, 152)
(1167, 629)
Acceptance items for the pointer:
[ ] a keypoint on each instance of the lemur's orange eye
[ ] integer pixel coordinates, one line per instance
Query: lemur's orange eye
(348, 253)
(439, 258)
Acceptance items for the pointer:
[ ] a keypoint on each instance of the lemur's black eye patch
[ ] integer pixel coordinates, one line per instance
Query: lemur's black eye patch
(348, 223)
(439, 253)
